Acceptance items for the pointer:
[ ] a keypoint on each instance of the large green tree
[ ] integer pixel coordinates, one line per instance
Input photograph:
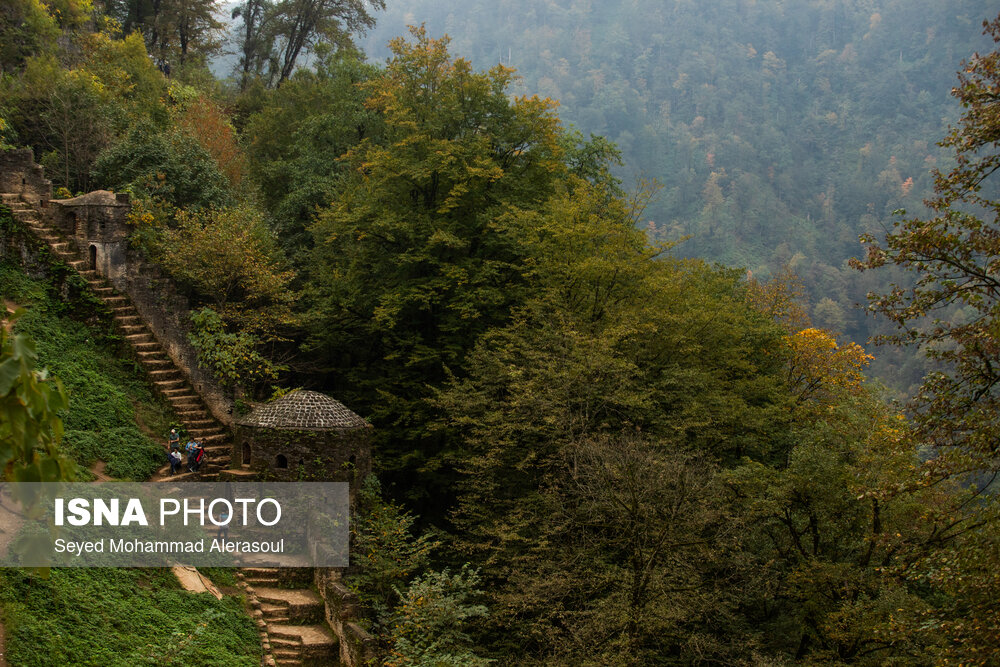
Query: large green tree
(295, 137)
(275, 34)
(952, 310)
(413, 260)
(174, 30)
(955, 256)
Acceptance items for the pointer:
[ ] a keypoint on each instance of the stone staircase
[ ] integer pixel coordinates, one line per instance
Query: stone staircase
(168, 379)
(290, 620)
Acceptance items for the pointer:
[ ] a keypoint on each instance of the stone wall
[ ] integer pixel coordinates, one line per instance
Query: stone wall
(97, 224)
(20, 175)
(343, 611)
(165, 311)
(307, 455)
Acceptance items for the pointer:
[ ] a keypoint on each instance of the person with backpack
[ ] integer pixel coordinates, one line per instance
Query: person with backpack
(199, 456)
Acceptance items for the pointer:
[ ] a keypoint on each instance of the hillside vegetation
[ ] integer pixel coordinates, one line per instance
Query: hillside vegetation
(779, 131)
(594, 444)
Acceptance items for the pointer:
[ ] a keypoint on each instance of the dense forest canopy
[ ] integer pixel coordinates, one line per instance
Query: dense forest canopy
(624, 447)
(779, 131)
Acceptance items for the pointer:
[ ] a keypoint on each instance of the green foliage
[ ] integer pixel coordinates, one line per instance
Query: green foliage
(166, 164)
(795, 107)
(64, 113)
(123, 618)
(27, 28)
(427, 626)
(183, 32)
(387, 552)
(296, 137)
(233, 358)
(105, 392)
(70, 113)
(230, 257)
(7, 135)
(410, 264)
(951, 312)
(611, 343)
(275, 34)
(30, 403)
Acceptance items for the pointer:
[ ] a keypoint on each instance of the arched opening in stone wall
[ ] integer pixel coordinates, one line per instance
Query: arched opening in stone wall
(93, 258)
(281, 461)
(246, 454)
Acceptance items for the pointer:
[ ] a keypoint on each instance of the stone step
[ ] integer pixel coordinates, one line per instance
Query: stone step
(268, 581)
(286, 653)
(198, 423)
(267, 571)
(104, 291)
(126, 320)
(165, 375)
(282, 642)
(151, 346)
(156, 363)
(182, 392)
(116, 300)
(280, 631)
(167, 385)
(130, 329)
(272, 612)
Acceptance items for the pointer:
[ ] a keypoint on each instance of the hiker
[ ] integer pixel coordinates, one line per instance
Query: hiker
(175, 460)
(173, 440)
(191, 449)
(199, 456)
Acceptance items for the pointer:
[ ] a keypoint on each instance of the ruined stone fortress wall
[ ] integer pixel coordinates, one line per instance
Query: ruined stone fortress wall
(97, 224)
(20, 175)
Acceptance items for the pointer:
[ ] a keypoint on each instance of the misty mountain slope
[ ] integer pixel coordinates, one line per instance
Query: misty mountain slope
(779, 131)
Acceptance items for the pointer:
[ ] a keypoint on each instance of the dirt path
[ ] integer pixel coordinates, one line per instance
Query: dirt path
(98, 471)
(10, 307)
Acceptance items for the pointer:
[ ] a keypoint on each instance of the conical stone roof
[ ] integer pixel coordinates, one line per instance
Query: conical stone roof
(303, 410)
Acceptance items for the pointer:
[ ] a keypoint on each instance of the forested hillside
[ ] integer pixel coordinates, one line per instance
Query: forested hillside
(779, 131)
(595, 442)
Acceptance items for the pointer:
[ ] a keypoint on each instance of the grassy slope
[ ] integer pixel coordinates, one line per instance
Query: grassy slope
(120, 617)
(108, 393)
(108, 617)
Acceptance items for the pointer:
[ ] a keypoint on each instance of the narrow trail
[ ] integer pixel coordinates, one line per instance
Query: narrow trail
(98, 471)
